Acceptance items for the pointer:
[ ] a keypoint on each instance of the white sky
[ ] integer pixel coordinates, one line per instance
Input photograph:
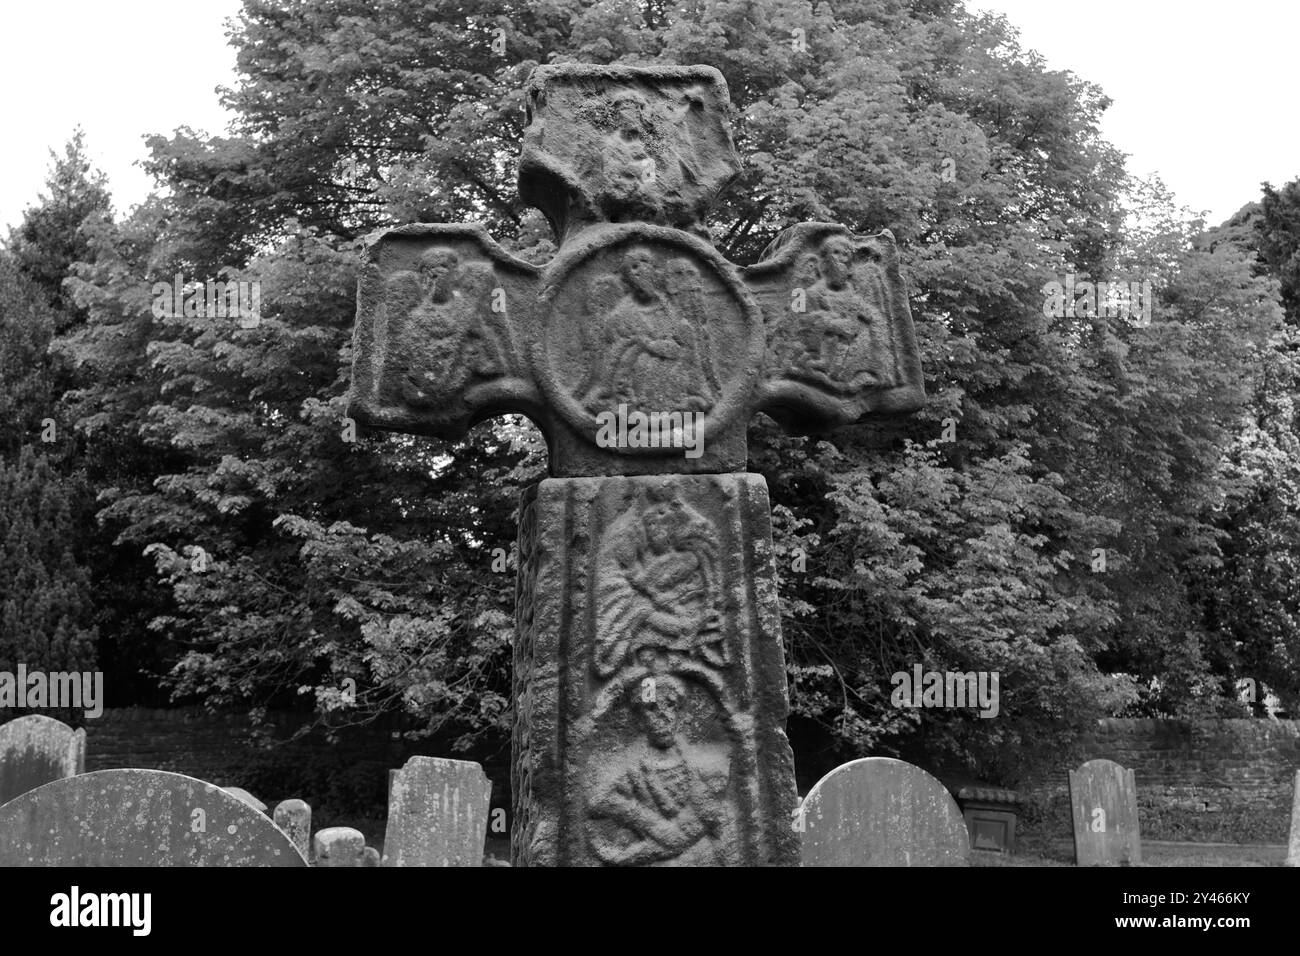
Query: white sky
(1200, 89)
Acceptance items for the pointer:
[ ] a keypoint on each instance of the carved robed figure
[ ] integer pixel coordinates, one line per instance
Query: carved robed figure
(649, 684)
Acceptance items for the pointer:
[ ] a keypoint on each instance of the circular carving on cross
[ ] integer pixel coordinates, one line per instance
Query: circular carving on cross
(649, 319)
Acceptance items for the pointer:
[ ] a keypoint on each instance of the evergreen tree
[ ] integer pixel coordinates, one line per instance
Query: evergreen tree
(49, 239)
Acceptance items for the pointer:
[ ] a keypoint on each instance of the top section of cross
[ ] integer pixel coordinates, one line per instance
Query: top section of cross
(626, 144)
(638, 349)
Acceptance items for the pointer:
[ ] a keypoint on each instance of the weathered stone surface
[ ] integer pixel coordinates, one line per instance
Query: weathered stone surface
(879, 811)
(622, 144)
(437, 813)
(1293, 847)
(294, 818)
(339, 846)
(138, 818)
(639, 350)
(247, 797)
(650, 676)
(34, 750)
(371, 857)
(635, 311)
(1103, 803)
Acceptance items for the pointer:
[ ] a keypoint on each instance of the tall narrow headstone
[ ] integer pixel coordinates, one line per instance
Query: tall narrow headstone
(650, 693)
(437, 813)
(1103, 804)
(878, 811)
(1293, 847)
(294, 818)
(138, 818)
(34, 750)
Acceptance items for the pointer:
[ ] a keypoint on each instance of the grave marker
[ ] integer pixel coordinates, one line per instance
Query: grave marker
(138, 818)
(294, 818)
(1103, 804)
(35, 750)
(339, 846)
(878, 811)
(1293, 847)
(650, 688)
(437, 813)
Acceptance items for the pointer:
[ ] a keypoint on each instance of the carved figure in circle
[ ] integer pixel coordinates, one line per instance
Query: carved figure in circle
(660, 800)
(839, 313)
(686, 291)
(654, 358)
(658, 588)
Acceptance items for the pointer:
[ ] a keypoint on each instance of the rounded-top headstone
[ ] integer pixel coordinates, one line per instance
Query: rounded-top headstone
(294, 818)
(879, 811)
(339, 846)
(35, 750)
(138, 818)
(1103, 804)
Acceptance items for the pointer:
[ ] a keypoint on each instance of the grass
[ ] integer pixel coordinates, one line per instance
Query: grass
(1034, 850)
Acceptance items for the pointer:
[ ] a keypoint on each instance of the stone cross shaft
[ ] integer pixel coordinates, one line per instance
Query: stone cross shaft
(649, 676)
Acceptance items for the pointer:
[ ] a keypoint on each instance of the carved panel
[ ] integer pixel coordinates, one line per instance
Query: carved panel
(652, 321)
(651, 673)
(840, 340)
(616, 144)
(443, 320)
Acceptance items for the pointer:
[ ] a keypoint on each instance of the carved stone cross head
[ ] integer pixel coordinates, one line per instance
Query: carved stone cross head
(639, 348)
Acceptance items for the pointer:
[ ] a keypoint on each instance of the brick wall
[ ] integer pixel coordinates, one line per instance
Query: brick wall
(1228, 780)
(343, 780)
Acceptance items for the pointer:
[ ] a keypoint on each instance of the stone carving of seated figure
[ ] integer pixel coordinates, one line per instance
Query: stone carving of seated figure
(839, 313)
(660, 801)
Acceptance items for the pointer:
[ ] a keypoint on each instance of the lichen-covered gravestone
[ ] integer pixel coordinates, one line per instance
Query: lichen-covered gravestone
(879, 811)
(649, 677)
(437, 813)
(339, 847)
(1103, 804)
(35, 750)
(1293, 847)
(294, 818)
(138, 818)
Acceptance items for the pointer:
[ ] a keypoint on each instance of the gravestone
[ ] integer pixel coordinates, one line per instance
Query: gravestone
(339, 846)
(878, 811)
(1103, 804)
(437, 813)
(1293, 847)
(649, 674)
(247, 797)
(35, 750)
(294, 818)
(138, 818)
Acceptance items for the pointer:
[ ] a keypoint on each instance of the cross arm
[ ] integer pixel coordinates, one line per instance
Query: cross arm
(444, 321)
(841, 346)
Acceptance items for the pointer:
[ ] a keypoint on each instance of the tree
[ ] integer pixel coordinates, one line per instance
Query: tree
(45, 612)
(49, 239)
(26, 327)
(305, 566)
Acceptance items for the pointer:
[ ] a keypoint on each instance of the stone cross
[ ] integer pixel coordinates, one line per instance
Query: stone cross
(649, 676)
